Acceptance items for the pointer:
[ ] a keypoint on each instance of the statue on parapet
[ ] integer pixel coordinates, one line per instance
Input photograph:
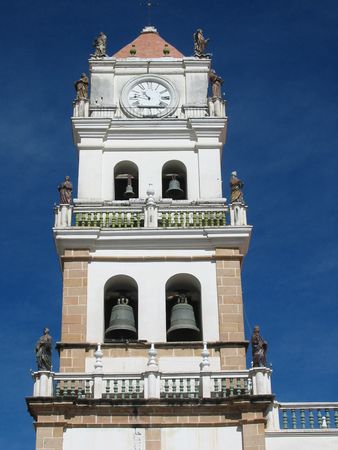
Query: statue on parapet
(100, 44)
(81, 87)
(65, 189)
(216, 84)
(200, 43)
(43, 351)
(259, 349)
(236, 186)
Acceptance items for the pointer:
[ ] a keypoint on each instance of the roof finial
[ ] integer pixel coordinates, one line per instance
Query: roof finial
(149, 4)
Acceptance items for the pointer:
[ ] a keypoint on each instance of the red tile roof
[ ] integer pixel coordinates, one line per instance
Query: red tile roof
(148, 44)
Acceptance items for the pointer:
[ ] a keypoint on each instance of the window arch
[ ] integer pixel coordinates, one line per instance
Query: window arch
(120, 309)
(126, 180)
(174, 180)
(183, 308)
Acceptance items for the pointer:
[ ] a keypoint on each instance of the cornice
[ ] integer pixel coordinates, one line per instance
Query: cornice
(152, 239)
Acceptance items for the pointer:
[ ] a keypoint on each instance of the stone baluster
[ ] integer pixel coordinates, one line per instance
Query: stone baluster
(152, 375)
(98, 373)
(205, 373)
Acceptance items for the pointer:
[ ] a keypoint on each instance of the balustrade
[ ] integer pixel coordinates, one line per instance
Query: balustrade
(223, 387)
(129, 386)
(294, 416)
(179, 387)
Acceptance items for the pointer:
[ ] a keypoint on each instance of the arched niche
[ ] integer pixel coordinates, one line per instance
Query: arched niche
(187, 287)
(173, 172)
(117, 289)
(125, 173)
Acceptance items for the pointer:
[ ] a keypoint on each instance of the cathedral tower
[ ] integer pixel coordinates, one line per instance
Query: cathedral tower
(152, 350)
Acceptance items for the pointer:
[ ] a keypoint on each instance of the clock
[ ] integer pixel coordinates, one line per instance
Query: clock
(149, 96)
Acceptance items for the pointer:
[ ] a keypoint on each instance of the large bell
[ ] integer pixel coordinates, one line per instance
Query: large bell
(129, 189)
(174, 189)
(182, 322)
(122, 321)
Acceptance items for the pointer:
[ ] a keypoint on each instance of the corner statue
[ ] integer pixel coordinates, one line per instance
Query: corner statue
(200, 44)
(100, 44)
(81, 87)
(259, 348)
(236, 186)
(43, 351)
(65, 190)
(216, 84)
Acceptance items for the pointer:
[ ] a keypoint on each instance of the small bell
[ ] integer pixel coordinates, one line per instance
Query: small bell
(122, 321)
(129, 189)
(182, 322)
(174, 190)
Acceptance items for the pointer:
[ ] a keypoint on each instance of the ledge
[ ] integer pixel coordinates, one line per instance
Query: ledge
(144, 344)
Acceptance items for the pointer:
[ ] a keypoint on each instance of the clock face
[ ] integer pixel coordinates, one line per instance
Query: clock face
(148, 97)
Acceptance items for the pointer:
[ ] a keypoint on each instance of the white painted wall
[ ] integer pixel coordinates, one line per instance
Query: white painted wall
(103, 439)
(208, 438)
(166, 364)
(151, 278)
(306, 440)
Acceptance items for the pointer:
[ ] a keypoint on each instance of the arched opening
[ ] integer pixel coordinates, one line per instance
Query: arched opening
(125, 180)
(183, 308)
(120, 309)
(174, 180)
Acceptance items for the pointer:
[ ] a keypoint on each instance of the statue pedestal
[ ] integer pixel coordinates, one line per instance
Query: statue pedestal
(261, 380)
(43, 383)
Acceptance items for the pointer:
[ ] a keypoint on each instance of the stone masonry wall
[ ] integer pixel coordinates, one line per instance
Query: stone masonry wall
(230, 307)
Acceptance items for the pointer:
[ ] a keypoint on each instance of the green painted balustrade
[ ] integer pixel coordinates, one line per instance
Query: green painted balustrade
(105, 219)
(224, 387)
(191, 219)
(166, 219)
(309, 416)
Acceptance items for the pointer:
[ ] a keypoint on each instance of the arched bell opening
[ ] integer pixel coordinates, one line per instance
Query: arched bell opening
(120, 309)
(174, 180)
(125, 180)
(183, 308)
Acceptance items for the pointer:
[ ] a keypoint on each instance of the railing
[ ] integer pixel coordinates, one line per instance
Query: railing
(123, 388)
(69, 386)
(132, 386)
(110, 219)
(294, 416)
(215, 108)
(181, 386)
(149, 216)
(225, 386)
(191, 219)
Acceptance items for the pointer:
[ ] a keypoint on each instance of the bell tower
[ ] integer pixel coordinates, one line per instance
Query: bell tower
(152, 349)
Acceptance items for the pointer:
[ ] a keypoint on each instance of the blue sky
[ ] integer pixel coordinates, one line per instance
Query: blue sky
(279, 64)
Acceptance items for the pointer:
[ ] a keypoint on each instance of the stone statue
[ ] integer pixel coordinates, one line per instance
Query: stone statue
(43, 351)
(236, 186)
(216, 84)
(259, 348)
(100, 44)
(65, 190)
(200, 44)
(81, 87)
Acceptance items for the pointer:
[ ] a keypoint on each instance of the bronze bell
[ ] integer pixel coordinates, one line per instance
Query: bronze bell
(122, 321)
(129, 189)
(174, 190)
(182, 322)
